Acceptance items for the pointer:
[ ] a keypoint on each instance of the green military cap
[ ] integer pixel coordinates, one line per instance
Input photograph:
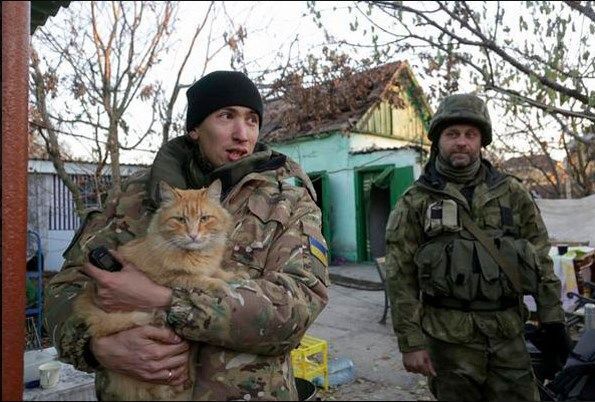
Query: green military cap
(461, 108)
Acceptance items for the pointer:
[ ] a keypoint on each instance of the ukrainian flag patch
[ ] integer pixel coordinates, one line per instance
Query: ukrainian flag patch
(318, 250)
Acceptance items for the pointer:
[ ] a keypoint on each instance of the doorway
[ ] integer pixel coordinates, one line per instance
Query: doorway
(320, 182)
(377, 190)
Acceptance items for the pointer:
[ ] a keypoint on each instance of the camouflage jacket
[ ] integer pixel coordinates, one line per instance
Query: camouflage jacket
(247, 331)
(413, 319)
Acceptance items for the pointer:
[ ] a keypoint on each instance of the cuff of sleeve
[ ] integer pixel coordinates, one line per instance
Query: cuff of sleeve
(411, 343)
(555, 314)
(186, 308)
(75, 347)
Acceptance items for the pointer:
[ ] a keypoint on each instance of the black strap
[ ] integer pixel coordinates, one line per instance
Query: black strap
(475, 305)
(511, 272)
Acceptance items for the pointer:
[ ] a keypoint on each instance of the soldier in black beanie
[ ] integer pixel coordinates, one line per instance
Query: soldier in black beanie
(247, 327)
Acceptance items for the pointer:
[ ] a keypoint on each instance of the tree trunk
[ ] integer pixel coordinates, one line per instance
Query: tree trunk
(114, 152)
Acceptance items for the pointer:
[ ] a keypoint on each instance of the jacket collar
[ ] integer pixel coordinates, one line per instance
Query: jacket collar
(432, 179)
(178, 163)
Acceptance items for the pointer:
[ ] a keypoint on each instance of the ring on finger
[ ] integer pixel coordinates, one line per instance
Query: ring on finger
(169, 375)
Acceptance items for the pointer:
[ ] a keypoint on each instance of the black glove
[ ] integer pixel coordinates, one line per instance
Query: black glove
(556, 346)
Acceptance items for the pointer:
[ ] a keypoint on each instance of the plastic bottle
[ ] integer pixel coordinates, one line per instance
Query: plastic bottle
(340, 371)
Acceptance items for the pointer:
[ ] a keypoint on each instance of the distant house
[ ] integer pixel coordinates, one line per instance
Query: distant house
(544, 177)
(51, 211)
(362, 141)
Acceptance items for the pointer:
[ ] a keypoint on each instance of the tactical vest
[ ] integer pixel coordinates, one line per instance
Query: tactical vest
(455, 270)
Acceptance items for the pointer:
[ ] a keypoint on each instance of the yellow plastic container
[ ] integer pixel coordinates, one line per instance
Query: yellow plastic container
(310, 359)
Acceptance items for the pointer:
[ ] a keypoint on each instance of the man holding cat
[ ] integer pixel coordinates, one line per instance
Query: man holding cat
(248, 329)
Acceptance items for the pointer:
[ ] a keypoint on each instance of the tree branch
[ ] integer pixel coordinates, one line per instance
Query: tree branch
(587, 10)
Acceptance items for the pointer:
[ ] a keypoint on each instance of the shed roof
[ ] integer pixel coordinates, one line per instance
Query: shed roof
(336, 105)
(42, 10)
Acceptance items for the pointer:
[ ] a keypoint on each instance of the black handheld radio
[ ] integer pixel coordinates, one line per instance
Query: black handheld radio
(101, 258)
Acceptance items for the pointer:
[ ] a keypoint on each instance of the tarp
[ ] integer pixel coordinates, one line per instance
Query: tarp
(569, 220)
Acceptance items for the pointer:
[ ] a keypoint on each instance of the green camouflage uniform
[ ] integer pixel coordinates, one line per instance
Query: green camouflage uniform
(247, 332)
(449, 297)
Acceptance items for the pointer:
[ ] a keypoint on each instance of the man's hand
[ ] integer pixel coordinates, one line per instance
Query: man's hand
(147, 353)
(127, 290)
(419, 362)
(557, 345)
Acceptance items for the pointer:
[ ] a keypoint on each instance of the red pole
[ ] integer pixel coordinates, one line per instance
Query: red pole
(15, 77)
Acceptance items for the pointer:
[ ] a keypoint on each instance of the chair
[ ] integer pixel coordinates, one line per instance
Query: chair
(381, 268)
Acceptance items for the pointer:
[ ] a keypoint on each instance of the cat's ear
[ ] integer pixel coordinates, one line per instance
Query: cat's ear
(166, 192)
(214, 190)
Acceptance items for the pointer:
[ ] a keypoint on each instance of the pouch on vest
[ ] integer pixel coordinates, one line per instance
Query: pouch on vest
(431, 260)
(521, 254)
(441, 216)
(464, 271)
(490, 282)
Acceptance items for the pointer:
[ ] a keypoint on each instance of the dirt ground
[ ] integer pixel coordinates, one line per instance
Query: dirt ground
(350, 325)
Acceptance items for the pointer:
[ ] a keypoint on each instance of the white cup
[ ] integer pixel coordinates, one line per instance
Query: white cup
(49, 374)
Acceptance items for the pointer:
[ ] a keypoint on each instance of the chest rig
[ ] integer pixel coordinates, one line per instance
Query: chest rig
(474, 263)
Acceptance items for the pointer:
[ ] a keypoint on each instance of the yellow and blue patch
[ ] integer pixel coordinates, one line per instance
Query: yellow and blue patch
(318, 250)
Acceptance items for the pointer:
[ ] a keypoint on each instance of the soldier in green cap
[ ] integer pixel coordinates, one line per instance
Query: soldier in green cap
(464, 244)
(246, 331)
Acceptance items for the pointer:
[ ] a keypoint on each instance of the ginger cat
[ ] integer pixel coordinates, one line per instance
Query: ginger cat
(183, 247)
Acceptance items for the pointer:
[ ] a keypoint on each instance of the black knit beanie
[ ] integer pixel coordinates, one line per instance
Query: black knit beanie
(217, 90)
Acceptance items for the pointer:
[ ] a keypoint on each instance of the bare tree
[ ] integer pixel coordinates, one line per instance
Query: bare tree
(102, 58)
(533, 59)
(42, 122)
(534, 165)
(213, 46)
(95, 76)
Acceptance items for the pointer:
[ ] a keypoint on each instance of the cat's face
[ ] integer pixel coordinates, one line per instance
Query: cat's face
(192, 219)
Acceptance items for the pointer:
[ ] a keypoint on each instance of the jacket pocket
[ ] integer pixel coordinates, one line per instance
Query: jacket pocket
(257, 228)
(432, 262)
(273, 208)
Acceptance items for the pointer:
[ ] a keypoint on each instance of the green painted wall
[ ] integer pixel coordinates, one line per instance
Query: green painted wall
(332, 154)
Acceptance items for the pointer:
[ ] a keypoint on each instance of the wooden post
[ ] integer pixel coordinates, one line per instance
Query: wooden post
(15, 77)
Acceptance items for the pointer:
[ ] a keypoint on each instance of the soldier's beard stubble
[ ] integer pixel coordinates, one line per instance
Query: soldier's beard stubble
(460, 159)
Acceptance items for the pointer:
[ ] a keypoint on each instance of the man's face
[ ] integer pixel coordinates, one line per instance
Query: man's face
(460, 144)
(228, 134)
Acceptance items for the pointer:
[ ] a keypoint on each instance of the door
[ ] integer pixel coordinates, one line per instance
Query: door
(320, 181)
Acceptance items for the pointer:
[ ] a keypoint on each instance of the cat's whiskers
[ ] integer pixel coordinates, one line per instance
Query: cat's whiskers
(168, 244)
